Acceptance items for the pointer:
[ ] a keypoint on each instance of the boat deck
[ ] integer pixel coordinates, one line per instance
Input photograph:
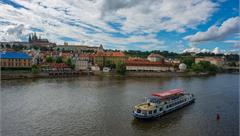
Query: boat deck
(145, 106)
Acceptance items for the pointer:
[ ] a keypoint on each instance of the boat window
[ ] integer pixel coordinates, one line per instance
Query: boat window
(155, 111)
(150, 112)
(138, 111)
(160, 109)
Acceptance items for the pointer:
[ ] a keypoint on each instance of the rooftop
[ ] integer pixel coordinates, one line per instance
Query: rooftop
(14, 55)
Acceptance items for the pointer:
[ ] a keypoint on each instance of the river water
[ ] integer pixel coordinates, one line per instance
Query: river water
(102, 106)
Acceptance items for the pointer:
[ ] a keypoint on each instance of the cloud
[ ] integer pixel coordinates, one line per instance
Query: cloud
(216, 50)
(14, 33)
(87, 21)
(228, 27)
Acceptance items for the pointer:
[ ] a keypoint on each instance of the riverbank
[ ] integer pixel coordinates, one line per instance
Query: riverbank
(23, 75)
(155, 74)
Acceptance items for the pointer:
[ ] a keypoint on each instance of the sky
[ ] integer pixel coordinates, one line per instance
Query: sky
(172, 25)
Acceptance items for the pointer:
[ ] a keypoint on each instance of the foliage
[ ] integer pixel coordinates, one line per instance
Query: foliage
(204, 66)
(232, 57)
(70, 63)
(59, 60)
(121, 68)
(49, 59)
(144, 54)
(188, 61)
(109, 64)
(18, 47)
(35, 69)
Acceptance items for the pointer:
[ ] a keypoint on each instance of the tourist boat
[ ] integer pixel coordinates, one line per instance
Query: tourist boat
(162, 103)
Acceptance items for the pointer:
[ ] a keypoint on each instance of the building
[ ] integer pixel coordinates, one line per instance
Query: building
(15, 60)
(33, 41)
(37, 41)
(213, 60)
(95, 68)
(82, 65)
(109, 58)
(148, 66)
(78, 48)
(155, 57)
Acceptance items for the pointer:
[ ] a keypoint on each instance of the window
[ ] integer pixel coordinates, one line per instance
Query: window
(150, 112)
(138, 111)
(155, 111)
(160, 109)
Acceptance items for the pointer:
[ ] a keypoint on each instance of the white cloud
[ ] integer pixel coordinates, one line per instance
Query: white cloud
(192, 49)
(87, 20)
(228, 27)
(216, 50)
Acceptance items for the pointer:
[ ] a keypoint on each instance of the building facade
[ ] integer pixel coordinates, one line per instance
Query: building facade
(147, 66)
(213, 60)
(15, 60)
(108, 58)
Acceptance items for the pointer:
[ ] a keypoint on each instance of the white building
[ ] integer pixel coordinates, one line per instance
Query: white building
(143, 65)
(155, 57)
(95, 68)
(82, 65)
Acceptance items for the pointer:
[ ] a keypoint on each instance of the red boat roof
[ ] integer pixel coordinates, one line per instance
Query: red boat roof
(168, 93)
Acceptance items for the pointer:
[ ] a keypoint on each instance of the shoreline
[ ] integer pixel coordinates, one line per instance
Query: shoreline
(13, 76)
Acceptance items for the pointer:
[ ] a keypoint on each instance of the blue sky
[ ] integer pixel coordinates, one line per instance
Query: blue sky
(189, 25)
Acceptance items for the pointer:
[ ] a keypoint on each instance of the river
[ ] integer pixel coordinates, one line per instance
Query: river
(102, 106)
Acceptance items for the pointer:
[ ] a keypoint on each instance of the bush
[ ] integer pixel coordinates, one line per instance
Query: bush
(121, 68)
(59, 60)
(69, 63)
(188, 62)
(35, 69)
(49, 59)
(204, 66)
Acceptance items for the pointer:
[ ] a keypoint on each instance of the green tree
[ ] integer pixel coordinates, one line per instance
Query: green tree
(59, 60)
(69, 62)
(196, 67)
(188, 61)
(49, 59)
(35, 69)
(204, 66)
(121, 68)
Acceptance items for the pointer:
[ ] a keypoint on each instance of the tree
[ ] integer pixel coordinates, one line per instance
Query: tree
(188, 61)
(121, 68)
(35, 69)
(196, 67)
(70, 63)
(49, 59)
(59, 60)
(8, 46)
(204, 66)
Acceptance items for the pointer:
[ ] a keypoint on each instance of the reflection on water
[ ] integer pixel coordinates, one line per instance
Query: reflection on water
(103, 106)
